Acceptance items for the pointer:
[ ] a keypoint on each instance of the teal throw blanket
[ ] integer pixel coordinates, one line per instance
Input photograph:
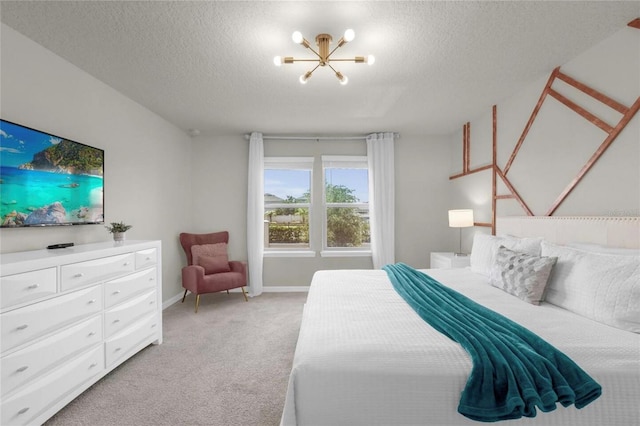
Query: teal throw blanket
(513, 371)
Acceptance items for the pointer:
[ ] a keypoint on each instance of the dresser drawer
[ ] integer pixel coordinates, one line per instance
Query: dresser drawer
(121, 344)
(127, 313)
(92, 271)
(21, 288)
(23, 406)
(21, 325)
(146, 258)
(28, 363)
(123, 288)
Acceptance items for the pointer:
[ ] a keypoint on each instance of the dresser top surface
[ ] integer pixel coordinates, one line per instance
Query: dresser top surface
(75, 253)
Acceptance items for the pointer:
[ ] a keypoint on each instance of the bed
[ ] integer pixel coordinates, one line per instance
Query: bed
(364, 357)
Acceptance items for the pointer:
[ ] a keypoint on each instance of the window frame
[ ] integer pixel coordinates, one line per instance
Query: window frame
(291, 163)
(346, 162)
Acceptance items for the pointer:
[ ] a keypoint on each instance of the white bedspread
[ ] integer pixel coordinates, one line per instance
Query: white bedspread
(364, 357)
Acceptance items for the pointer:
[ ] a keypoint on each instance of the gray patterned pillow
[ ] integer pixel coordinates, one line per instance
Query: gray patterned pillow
(523, 275)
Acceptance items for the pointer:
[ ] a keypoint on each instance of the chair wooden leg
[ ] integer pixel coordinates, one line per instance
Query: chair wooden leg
(184, 295)
(244, 293)
(197, 302)
(227, 291)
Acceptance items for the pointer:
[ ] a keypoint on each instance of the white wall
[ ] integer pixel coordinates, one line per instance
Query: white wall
(219, 191)
(147, 160)
(560, 142)
(422, 198)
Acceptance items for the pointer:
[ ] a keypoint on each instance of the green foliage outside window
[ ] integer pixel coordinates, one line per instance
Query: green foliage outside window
(346, 227)
(293, 210)
(288, 233)
(339, 194)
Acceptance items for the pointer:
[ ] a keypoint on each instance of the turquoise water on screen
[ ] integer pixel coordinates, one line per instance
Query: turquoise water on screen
(26, 190)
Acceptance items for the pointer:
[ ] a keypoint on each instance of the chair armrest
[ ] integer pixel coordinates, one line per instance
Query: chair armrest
(191, 276)
(238, 266)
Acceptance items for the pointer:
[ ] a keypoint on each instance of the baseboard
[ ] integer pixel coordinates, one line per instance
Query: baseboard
(265, 289)
(171, 301)
(279, 289)
(285, 289)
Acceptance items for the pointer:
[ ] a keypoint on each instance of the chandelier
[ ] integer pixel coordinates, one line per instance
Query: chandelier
(323, 54)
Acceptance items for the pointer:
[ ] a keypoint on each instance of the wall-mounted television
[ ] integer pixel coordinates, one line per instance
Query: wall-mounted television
(48, 180)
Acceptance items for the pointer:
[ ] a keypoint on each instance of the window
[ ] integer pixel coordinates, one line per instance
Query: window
(346, 204)
(287, 203)
(299, 224)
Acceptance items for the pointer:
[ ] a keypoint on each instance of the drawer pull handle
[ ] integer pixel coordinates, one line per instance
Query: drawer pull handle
(92, 301)
(151, 279)
(117, 349)
(93, 365)
(21, 369)
(93, 333)
(22, 327)
(153, 326)
(116, 292)
(126, 264)
(24, 410)
(116, 320)
(148, 258)
(151, 302)
(78, 275)
(33, 286)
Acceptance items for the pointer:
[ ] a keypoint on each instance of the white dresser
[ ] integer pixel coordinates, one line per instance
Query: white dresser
(68, 317)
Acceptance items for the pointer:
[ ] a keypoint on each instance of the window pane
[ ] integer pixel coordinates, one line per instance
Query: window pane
(346, 185)
(286, 205)
(287, 227)
(348, 227)
(289, 186)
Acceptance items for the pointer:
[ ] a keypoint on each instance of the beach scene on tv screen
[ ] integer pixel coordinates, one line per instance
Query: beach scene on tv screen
(48, 180)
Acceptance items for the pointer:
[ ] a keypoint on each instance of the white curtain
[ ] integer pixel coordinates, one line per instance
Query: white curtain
(381, 198)
(255, 213)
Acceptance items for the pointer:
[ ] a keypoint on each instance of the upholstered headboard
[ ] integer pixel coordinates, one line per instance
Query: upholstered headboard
(607, 231)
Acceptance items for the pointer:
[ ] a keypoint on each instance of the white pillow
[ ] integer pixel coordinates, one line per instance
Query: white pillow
(485, 247)
(597, 248)
(600, 286)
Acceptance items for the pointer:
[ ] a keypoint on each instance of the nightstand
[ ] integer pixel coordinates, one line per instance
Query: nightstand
(448, 260)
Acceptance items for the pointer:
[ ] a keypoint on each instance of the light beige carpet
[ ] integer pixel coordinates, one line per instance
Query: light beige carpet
(226, 365)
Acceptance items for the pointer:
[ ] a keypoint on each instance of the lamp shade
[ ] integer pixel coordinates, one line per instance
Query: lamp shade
(460, 218)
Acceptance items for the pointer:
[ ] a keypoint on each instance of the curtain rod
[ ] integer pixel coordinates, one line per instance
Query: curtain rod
(247, 136)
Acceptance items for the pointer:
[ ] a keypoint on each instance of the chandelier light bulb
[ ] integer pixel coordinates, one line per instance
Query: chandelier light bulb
(297, 37)
(349, 35)
(343, 78)
(371, 59)
(304, 77)
(277, 61)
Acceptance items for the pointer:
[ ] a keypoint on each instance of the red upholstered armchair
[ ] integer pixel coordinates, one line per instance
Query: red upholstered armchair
(208, 267)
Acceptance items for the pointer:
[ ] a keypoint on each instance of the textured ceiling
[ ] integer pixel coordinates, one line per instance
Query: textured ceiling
(207, 65)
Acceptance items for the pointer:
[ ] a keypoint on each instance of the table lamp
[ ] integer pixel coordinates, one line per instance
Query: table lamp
(461, 218)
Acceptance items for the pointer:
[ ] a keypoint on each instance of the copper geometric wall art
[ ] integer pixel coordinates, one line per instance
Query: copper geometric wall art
(466, 154)
(611, 131)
